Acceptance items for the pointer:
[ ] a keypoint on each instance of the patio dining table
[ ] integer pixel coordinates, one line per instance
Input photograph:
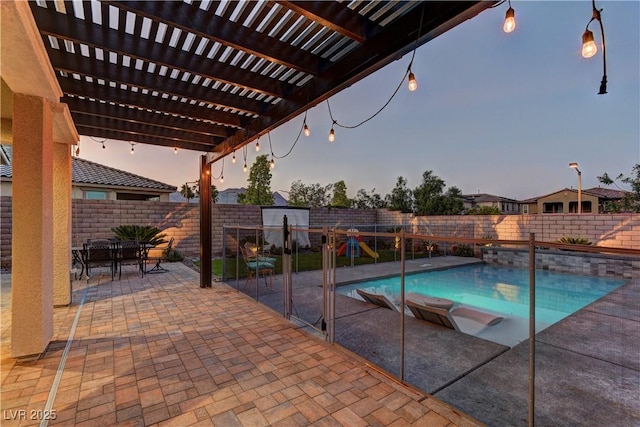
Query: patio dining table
(80, 256)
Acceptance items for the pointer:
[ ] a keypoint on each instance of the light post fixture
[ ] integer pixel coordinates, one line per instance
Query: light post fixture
(574, 165)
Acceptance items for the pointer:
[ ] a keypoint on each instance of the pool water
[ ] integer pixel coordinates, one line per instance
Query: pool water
(500, 290)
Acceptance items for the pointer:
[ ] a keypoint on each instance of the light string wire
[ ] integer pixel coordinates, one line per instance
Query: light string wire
(221, 171)
(415, 47)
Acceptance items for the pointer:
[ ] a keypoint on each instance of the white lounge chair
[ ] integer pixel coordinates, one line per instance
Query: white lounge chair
(445, 316)
(377, 299)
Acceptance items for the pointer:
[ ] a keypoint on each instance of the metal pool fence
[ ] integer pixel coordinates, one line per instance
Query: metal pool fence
(578, 371)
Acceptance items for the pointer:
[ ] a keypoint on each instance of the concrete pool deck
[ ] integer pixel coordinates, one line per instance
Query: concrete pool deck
(587, 365)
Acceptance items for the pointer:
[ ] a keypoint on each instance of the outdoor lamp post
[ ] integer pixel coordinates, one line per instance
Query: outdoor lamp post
(574, 165)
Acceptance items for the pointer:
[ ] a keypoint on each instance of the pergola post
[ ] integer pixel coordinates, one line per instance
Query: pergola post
(205, 223)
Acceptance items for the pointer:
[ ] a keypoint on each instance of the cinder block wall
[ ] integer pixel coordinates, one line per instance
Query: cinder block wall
(95, 218)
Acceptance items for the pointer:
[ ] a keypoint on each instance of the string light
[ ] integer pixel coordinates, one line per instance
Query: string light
(175, 150)
(509, 20)
(258, 144)
(589, 48)
(272, 163)
(233, 159)
(77, 150)
(413, 84)
(332, 135)
(103, 147)
(132, 150)
(244, 155)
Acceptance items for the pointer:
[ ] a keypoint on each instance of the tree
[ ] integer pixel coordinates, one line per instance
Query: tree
(631, 200)
(484, 210)
(214, 192)
(364, 200)
(188, 192)
(312, 196)
(340, 199)
(259, 189)
(430, 198)
(401, 197)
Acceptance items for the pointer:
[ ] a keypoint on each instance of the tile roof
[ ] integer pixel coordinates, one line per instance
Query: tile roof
(606, 193)
(88, 172)
(484, 198)
(602, 193)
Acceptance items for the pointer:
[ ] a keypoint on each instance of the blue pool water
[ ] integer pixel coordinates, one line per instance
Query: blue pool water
(501, 290)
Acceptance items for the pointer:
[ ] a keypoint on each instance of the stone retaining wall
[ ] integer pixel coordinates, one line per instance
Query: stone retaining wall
(603, 265)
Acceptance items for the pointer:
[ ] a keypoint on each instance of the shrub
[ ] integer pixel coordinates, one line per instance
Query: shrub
(463, 250)
(141, 233)
(173, 255)
(575, 241)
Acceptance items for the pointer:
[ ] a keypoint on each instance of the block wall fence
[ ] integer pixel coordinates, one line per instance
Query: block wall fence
(95, 218)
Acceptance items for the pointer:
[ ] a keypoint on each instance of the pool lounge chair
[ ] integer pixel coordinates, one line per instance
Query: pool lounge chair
(377, 299)
(445, 317)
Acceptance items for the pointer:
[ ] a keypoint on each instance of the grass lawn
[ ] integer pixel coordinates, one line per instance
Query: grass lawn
(306, 262)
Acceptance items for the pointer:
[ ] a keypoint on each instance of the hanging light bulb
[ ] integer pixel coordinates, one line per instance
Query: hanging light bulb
(175, 150)
(77, 151)
(413, 84)
(307, 132)
(103, 147)
(258, 145)
(221, 178)
(272, 163)
(589, 47)
(233, 159)
(132, 150)
(332, 135)
(509, 20)
(244, 168)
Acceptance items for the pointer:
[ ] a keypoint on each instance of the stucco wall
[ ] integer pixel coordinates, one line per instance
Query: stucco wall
(95, 218)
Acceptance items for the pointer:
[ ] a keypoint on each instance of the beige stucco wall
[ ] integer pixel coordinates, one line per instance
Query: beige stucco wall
(565, 197)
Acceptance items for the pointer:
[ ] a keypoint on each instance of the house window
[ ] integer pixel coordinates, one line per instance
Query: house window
(525, 209)
(586, 207)
(552, 208)
(95, 195)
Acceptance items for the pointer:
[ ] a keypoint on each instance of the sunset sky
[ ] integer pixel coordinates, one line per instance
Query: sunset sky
(495, 113)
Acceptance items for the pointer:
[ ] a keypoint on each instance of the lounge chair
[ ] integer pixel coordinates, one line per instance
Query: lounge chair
(377, 299)
(445, 316)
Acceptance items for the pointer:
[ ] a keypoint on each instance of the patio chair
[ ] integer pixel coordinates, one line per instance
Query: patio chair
(445, 316)
(254, 254)
(99, 253)
(257, 267)
(157, 254)
(129, 252)
(377, 299)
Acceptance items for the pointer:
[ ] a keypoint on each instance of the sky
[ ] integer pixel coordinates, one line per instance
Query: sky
(494, 113)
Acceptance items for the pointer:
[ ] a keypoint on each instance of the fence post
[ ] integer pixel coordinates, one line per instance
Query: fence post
(532, 327)
(224, 253)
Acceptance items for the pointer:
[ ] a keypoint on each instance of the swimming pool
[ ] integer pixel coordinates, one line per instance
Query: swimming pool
(502, 290)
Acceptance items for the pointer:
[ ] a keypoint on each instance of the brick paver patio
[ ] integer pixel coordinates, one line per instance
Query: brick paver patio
(162, 351)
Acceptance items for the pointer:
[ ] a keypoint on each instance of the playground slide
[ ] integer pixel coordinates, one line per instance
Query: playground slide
(342, 249)
(368, 250)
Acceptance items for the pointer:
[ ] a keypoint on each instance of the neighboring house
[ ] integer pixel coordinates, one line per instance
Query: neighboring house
(229, 197)
(566, 201)
(92, 180)
(505, 205)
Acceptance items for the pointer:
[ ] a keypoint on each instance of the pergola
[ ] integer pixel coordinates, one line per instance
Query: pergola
(209, 76)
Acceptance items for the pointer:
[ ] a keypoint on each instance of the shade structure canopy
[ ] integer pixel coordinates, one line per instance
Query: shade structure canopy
(213, 76)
